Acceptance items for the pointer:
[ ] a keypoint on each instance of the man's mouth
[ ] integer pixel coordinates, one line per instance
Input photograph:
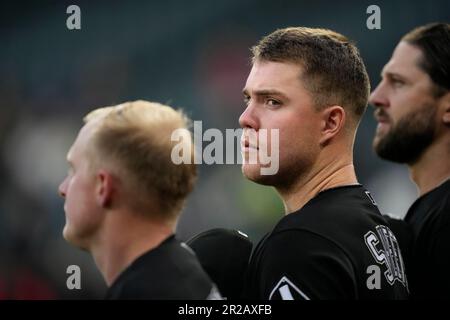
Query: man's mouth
(381, 116)
(245, 145)
(382, 120)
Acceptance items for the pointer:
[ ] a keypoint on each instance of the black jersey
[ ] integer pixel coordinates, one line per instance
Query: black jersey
(336, 247)
(429, 219)
(170, 271)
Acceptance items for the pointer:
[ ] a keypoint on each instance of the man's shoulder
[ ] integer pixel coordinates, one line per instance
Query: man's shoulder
(431, 212)
(309, 259)
(336, 214)
(347, 223)
(297, 261)
(302, 241)
(170, 271)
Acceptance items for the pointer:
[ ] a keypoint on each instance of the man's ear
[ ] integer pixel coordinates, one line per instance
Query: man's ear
(333, 121)
(445, 100)
(105, 188)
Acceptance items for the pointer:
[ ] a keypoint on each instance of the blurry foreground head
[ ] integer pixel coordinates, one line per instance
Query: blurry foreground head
(121, 171)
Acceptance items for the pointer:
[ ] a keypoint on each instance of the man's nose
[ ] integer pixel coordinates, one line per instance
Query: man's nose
(378, 97)
(62, 189)
(248, 118)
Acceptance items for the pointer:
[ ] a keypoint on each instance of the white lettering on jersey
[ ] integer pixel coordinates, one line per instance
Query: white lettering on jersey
(388, 254)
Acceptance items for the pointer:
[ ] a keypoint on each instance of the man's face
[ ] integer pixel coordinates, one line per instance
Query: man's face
(83, 216)
(404, 107)
(276, 99)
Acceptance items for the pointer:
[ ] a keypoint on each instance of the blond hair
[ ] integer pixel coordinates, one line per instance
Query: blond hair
(136, 138)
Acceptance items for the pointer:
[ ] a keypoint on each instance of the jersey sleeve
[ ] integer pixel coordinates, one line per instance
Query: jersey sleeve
(301, 265)
(440, 260)
(405, 236)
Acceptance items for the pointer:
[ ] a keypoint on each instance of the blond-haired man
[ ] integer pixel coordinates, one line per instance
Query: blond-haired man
(123, 196)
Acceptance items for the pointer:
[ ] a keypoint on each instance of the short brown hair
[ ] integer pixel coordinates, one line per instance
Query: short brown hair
(434, 41)
(334, 71)
(136, 137)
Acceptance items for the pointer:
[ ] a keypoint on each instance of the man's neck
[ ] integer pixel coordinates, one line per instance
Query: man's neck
(327, 177)
(122, 242)
(432, 169)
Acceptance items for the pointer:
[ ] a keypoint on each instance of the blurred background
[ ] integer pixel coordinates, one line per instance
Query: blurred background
(189, 54)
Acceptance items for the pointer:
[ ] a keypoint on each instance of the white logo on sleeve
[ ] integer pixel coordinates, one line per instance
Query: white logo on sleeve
(286, 290)
(386, 251)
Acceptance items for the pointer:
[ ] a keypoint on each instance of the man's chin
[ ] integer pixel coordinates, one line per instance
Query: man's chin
(253, 173)
(378, 148)
(71, 238)
(391, 152)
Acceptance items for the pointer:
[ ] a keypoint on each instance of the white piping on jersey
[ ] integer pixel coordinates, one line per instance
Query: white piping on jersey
(285, 292)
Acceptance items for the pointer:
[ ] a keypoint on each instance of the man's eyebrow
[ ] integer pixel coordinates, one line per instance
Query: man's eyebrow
(391, 74)
(265, 92)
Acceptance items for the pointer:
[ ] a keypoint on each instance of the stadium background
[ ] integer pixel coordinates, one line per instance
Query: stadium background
(190, 54)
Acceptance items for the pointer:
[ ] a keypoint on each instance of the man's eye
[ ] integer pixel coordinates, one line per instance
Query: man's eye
(397, 82)
(273, 102)
(246, 100)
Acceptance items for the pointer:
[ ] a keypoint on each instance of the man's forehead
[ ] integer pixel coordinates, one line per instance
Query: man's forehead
(81, 141)
(405, 60)
(276, 68)
(270, 75)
